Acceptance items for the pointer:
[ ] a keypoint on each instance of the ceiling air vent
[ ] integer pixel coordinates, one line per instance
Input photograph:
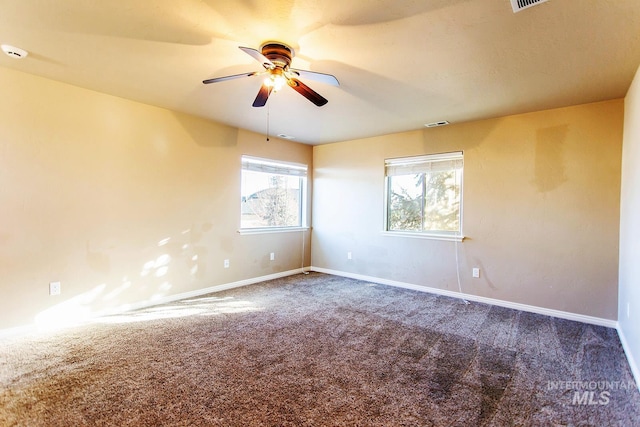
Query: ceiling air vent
(436, 124)
(285, 136)
(519, 5)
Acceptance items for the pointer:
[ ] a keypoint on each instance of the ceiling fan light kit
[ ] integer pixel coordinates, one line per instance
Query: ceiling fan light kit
(276, 80)
(276, 58)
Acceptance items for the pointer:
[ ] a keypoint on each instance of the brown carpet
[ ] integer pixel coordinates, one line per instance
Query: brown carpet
(319, 350)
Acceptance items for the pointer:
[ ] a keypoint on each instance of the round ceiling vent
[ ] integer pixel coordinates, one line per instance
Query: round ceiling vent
(14, 52)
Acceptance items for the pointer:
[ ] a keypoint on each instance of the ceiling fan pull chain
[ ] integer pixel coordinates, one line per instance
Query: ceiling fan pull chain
(267, 123)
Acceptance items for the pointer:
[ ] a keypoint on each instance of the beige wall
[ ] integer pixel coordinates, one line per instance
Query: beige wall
(629, 286)
(541, 209)
(92, 186)
(100, 193)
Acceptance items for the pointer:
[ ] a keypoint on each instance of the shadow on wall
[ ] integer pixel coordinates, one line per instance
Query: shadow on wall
(206, 133)
(549, 172)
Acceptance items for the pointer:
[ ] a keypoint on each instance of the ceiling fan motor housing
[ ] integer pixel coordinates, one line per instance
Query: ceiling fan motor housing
(278, 53)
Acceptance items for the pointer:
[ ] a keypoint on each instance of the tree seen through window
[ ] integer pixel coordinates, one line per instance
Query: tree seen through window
(424, 195)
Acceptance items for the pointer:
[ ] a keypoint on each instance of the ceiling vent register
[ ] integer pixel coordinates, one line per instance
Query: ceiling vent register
(519, 5)
(436, 124)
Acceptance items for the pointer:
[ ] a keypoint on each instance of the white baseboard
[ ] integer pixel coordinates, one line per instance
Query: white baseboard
(491, 301)
(26, 329)
(21, 330)
(627, 351)
(517, 306)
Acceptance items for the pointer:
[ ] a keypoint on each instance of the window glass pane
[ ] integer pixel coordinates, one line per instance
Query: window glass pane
(442, 207)
(270, 200)
(424, 193)
(405, 202)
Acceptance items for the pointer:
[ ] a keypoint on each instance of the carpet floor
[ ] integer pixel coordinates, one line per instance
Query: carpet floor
(319, 350)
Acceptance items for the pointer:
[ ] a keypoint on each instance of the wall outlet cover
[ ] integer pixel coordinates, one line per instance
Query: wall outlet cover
(54, 288)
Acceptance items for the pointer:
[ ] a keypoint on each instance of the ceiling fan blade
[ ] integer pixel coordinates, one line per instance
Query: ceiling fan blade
(263, 95)
(307, 92)
(318, 77)
(235, 76)
(266, 62)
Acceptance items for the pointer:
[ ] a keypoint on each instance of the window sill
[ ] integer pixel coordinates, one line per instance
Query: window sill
(428, 236)
(244, 231)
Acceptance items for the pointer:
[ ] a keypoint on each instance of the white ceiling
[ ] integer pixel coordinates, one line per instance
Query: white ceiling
(401, 64)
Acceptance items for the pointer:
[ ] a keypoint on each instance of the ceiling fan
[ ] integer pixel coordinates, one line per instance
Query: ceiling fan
(276, 57)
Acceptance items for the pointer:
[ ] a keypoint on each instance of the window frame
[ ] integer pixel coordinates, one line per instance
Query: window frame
(276, 167)
(455, 156)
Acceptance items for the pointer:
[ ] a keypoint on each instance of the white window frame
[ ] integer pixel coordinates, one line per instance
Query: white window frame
(420, 164)
(277, 167)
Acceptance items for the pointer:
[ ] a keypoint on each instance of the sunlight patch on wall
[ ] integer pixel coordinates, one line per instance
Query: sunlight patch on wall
(160, 265)
(126, 284)
(69, 313)
(162, 291)
(162, 271)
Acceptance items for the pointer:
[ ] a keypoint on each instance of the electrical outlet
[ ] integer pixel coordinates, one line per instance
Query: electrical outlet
(475, 272)
(349, 256)
(226, 263)
(272, 256)
(54, 288)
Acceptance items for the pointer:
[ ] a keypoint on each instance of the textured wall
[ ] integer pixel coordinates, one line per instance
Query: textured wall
(541, 209)
(629, 287)
(121, 202)
(92, 186)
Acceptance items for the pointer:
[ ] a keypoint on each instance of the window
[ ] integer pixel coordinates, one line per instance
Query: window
(273, 194)
(424, 195)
